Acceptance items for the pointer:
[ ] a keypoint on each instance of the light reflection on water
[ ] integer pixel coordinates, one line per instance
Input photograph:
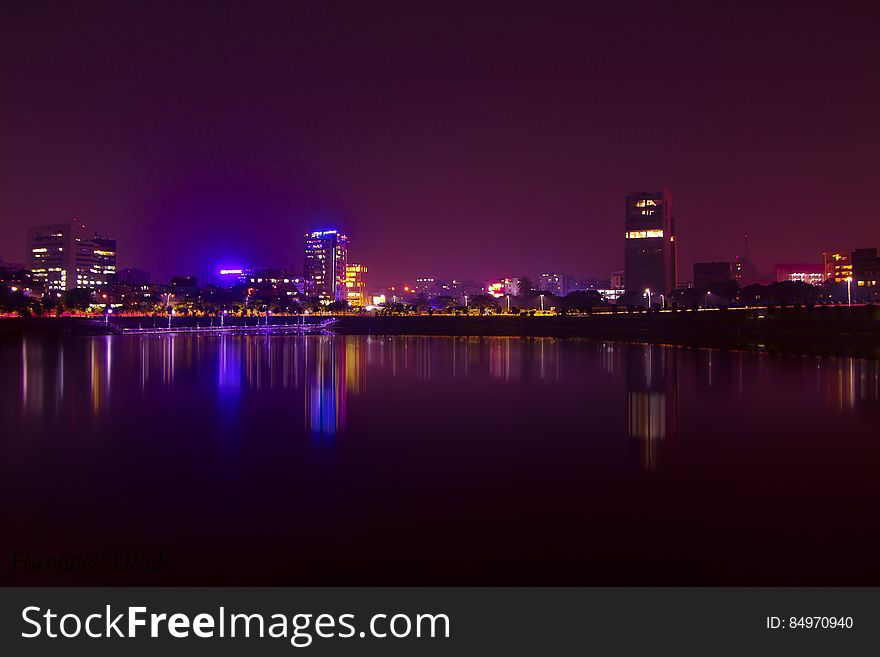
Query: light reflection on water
(327, 370)
(666, 465)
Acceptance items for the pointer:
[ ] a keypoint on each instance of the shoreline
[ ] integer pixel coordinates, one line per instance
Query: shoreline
(827, 331)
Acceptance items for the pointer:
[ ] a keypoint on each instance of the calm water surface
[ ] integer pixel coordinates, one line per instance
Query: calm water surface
(411, 460)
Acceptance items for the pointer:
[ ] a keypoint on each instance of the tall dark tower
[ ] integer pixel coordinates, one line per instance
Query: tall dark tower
(650, 259)
(745, 272)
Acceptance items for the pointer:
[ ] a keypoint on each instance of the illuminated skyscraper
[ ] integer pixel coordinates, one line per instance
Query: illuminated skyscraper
(356, 285)
(650, 260)
(66, 256)
(326, 257)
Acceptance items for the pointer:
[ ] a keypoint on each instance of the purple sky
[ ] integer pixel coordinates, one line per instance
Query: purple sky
(445, 139)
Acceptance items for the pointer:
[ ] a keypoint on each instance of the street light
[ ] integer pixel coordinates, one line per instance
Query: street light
(542, 302)
(849, 290)
(648, 296)
(508, 303)
(222, 316)
(107, 316)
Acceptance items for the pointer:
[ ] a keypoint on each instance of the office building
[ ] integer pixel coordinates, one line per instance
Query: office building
(813, 274)
(864, 262)
(866, 274)
(711, 273)
(67, 256)
(838, 267)
(456, 288)
(272, 283)
(426, 285)
(650, 260)
(558, 284)
(356, 285)
(326, 257)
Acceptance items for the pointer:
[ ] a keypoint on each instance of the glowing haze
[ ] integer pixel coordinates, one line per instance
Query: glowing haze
(446, 139)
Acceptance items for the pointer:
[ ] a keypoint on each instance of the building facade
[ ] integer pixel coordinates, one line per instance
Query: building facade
(67, 256)
(326, 258)
(426, 285)
(838, 267)
(356, 285)
(650, 259)
(804, 272)
(866, 274)
(558, 284)
(502, 287)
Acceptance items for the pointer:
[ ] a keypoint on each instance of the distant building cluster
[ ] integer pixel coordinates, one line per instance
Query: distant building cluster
(859, 270)
(68, 256)
(69, 259)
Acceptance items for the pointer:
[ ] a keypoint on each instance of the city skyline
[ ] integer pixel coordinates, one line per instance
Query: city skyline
(650, 257)
(557, 315)
(557, 279)
(242, 132)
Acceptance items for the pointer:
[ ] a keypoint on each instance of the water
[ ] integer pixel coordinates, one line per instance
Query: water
(411, 460)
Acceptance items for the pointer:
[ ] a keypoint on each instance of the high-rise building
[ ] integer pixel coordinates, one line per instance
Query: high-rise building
(326, 257)
(67, 256)
(838, 266)
(709, 273)
(650, 259)
(356, 284)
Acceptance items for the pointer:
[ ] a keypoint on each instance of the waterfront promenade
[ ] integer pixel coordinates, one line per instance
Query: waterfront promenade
(837, 330)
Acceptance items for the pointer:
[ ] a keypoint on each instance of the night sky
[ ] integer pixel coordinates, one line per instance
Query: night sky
(445, 139)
